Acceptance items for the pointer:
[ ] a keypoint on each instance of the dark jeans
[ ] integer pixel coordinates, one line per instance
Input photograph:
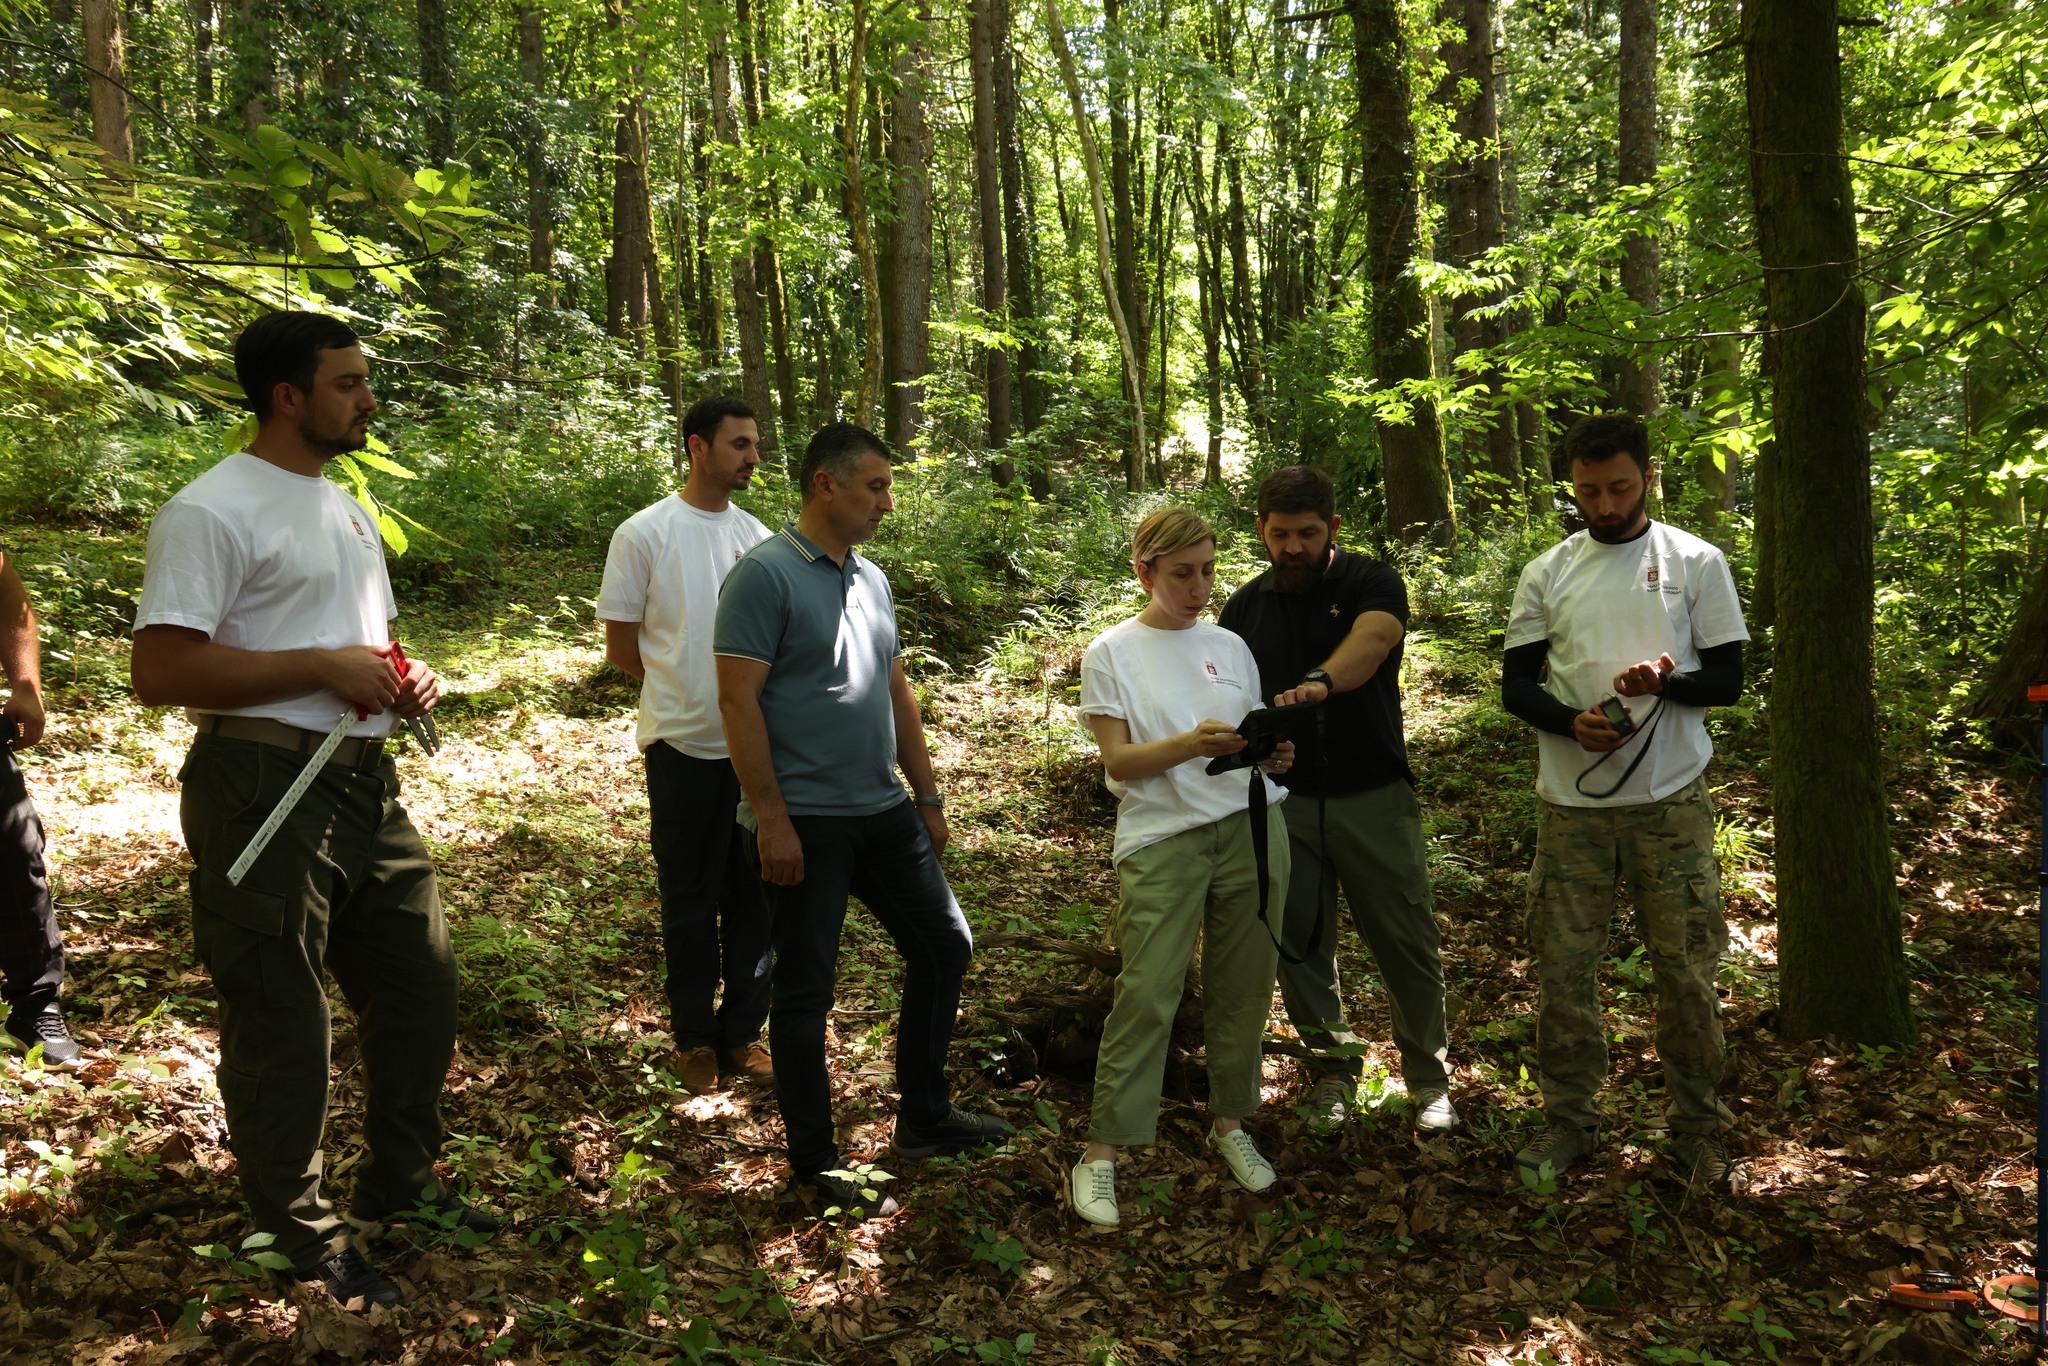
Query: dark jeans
(31, 950)
(714, 920)
(347, 888)
(886, 860)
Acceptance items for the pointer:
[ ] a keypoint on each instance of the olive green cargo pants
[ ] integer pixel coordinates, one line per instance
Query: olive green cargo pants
(1664, 851)
(346, 887)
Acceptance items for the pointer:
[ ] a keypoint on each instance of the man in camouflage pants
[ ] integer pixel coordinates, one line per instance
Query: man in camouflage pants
(1644, 617)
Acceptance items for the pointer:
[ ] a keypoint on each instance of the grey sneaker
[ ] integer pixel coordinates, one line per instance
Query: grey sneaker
(1330, 1106)
(1703, 1158)
(1559, 1145)
(1434, 1113)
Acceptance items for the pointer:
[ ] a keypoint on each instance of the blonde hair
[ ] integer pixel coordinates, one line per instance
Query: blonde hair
(1166, 530)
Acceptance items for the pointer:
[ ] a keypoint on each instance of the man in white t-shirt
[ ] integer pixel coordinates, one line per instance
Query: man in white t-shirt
(266, 614)
(659, 599)
(1644, 617)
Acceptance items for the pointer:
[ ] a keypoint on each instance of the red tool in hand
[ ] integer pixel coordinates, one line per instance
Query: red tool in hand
(422, 726)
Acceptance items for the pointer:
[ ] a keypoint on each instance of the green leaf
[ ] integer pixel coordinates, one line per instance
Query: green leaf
(239, 435)
(274, 1261)
(383, 464)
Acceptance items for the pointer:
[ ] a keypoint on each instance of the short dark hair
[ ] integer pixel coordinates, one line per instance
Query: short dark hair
(1298, 488)
(707, 415)
(284, 348)
(1599, 436)
(837, 449)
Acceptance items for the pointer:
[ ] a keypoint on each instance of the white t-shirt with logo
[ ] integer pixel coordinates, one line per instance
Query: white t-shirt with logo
(262, 559)
(1606, 607)
(665, 567)
(1162, 684)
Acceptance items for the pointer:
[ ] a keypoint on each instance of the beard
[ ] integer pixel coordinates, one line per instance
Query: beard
(1298, 576)
(1617, 532)
(330, 443)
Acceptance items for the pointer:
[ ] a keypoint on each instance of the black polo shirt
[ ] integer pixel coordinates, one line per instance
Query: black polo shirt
(1291, 633)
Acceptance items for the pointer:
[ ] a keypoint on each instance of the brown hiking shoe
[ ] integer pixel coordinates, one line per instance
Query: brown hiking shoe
(698, 1069)
(750, 1062)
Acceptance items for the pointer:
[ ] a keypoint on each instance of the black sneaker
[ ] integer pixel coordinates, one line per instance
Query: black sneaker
(853, 1193)
(348, 1275)
(45, 1027)
(956, 1131)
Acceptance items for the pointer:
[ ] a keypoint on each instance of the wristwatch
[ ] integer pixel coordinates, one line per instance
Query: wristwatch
(937, 800)
(1318, 676)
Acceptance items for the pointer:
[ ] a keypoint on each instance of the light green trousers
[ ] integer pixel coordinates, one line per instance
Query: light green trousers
(1199, 881)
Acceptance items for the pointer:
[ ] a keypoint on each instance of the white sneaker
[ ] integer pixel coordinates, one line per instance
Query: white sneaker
(1330, 1106)
(1242, 1156)
(1093, 1188)
(1434, 1113)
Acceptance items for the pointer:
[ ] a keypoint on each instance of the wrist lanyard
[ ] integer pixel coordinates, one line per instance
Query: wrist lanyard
(1579, 783)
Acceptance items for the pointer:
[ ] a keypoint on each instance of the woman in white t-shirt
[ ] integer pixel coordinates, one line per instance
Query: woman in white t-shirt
(1152, 690)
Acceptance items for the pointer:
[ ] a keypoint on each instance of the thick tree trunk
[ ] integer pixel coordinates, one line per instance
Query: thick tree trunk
(1134, 378)
(540, 195)
(910, 240)
(863, 413)
(1020, 244)
(437, 78)
(988, 205)
(106, 61)
(1639, 377)
(1473, 191)
(767, 260)
(1418, 480)
(1841, 964)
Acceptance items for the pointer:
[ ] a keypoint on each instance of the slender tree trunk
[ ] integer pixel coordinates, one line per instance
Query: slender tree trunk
(1134, 378)
(1209, 297)
(1123, 223)
(1418, 480)
(61, 34)
(540, 195)
(203, 22)
(767, 260)
(988, 204)
(1019, 243)
(710, 310)
(437, 78)
(910, 156)
(1639, 372)
(746, 292)
(106, 60)
(1841, 962)
(1716, 470)
(857, 219)
(1476, 228)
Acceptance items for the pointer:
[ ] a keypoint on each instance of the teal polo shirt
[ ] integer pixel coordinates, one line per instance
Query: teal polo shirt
(827, 633)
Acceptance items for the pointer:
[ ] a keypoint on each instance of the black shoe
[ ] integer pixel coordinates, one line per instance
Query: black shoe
(956, 1131)
(449, 1213)
(853, 1193)
(349, 1275)
(45, 1027)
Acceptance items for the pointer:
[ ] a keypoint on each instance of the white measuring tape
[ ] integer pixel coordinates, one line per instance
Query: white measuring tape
(291, 796)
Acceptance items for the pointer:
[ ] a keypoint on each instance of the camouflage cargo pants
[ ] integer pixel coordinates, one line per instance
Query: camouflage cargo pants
(1664, 852)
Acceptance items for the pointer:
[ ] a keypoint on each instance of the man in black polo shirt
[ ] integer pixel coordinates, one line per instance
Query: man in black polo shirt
(1325, 623)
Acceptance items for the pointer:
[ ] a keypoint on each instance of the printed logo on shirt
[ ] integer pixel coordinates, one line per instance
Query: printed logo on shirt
(1651, 577)
(1214, 676)
(361, 535)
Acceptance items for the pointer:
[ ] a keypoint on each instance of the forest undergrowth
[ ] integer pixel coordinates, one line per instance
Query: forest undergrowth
(649, 1226)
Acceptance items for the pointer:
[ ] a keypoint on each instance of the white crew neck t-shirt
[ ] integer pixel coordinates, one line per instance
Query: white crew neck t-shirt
(262, 559)
(1161, 684)
(664, 570)
(1605, 607)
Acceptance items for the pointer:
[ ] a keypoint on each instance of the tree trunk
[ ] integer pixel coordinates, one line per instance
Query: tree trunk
(1123, 222)
(1473, 191)
(746, 292)
(106, 60)
(910, 156)
(540, 198)
(1134, 378)
(1639, 377)
(1716, 470)
(988, 204)
(863, 413)
(1418, 480)
(437, 79)
(1841, 963)
(67, 89)
(2001, 698)
(1020, 245)
(1209, 300)
(203, 22)
(767, 261)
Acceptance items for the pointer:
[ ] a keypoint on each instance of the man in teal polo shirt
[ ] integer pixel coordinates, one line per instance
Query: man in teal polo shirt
(817, 715)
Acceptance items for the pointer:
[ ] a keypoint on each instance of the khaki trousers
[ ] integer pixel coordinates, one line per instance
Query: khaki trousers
(1199, 881)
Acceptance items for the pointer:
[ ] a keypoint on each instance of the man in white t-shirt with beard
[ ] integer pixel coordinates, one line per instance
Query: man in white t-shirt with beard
(266, 613)
(659, 599)
(1642, 613)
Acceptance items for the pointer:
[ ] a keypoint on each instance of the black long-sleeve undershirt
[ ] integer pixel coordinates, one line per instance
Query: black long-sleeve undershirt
(1717, 682)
